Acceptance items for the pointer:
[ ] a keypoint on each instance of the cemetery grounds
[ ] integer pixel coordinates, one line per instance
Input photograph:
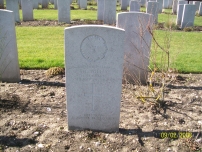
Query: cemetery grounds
(33, 116)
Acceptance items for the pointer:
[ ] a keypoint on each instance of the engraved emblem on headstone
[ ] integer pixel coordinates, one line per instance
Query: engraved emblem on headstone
(93, 48)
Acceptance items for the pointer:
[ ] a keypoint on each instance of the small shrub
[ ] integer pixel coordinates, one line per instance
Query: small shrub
(55, 71)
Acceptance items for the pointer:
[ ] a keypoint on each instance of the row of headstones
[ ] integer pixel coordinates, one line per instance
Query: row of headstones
(94, 59)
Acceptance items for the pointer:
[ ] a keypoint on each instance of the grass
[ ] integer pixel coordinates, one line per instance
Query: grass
(43, 47)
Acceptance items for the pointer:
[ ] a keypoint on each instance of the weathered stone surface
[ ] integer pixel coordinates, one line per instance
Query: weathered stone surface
(110, 12)
(100, 10)
(188, 15)
(55, 4)
(152, 8)
(94, 66)
(13, 5)
(83, 4)
(179, 14)
(27, 10)
(160, 5)
(64, 11)
(137, 45)
(174, 7)
(44, 3)
(9, 66)
(200, 9)
(134, 6)
(1, 4)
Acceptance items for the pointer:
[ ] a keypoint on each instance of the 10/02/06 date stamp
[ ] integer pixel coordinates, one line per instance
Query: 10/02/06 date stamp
(176, 135)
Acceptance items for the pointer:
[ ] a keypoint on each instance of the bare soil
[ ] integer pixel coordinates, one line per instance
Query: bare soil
(33, 117)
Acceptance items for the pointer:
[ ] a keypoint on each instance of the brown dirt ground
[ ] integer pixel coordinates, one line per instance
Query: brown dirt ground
(33, 117)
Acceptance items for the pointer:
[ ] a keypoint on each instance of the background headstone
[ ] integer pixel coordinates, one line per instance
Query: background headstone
(1, 4)
(179, 14)
(9, 66)
(55, 4)
(152, 8)
(174, 8)
(94, 66)
(44, 3)
(143, 3)
(124, 4)
(27, 10)
(13, 6)
(100, 10)
(35, 4)
(160, 5)
(134, 6)
(110, 12)
(165, 4)
(197, 5)
(200, 9)
(83, 4)
(188, 15)
(64, 11)
(137, 45)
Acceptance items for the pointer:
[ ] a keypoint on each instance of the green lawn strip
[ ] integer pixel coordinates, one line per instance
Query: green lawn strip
(185, 51)
(40, 47)
(43, 47)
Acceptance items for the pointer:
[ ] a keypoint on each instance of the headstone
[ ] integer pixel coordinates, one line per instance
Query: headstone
(35, 4)
(52, 1)
(188, 15)
(13, 6)
(160, 5)
(181, 2)
(9, 66)
(45, 3)
(94, 66)
(174, 7)
(179, 14)
(165, 4)
(152, 8)
(55, 4)
(27, 10)
(1, 4)
(100, 10)
(137, 45)
(64, 11)
(110, 12)
(170, 3)
(142, 3)
(134, 6)
(124, 4)
(197, 3)
(83, 4)
(40, 2)
(200, 9)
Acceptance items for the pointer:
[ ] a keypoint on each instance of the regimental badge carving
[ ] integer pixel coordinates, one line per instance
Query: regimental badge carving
(93, 48)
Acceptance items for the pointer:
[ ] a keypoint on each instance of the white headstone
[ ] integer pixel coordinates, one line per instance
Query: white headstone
(35, 4)
(197, 3)
(55, 4)
(27, 10)
(9, 66)
(1, 4)
(181, 2)
(64, 11)
(137, 45)
(134, 6)
(152, 8)
(124, 4)
(179, 14)
(174, 7)
(83, 4)
(200, 9)
(143, 3)
(100, 10)
(45, 3)
(13, 6)
(188, 15)
(160, 5)
(110, 12)
(94, 66)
